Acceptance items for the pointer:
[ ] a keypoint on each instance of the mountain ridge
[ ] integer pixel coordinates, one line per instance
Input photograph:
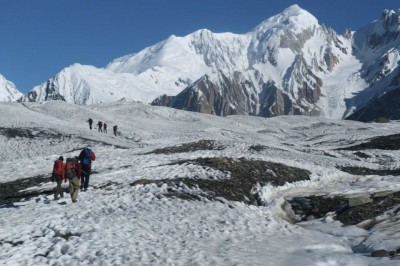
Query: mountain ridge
(288, 64)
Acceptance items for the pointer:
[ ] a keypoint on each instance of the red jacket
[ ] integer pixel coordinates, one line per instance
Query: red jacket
(62, 170)
(93, 157)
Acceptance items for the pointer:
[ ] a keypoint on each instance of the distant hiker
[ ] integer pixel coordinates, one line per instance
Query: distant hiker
(100, 126)
(90, 123)
(58, 175)
(73, 174)
(115, 130)
(105, 127)
(86, 157)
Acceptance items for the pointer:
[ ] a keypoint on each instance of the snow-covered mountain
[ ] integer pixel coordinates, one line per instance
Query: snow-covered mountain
(83, 84)
(289, 64)
(297, 66)
(8, 91)
(377, 46)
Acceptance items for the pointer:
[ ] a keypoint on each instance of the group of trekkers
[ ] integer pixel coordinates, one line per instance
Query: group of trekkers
(76, 170)
(102, 127)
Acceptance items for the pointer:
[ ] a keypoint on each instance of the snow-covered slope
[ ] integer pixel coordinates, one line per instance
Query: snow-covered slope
(8, 91)
(82, 84)
(126, 219)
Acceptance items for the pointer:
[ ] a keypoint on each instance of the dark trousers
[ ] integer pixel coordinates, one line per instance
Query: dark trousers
(85, 176)
(59, 189)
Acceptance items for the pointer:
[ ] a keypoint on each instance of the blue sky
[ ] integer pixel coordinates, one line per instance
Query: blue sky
(41, 37)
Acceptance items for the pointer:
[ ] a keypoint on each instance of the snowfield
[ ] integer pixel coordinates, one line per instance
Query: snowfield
(129, 216)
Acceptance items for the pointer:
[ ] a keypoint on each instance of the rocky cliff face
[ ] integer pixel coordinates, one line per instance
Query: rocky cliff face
(224, 97)
(50, 94)
(233, 95)
(377, 46)
(385, 106)
(390, 30)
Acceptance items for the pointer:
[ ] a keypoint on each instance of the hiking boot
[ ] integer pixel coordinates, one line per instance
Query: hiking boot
(74, 201)
(85, 189)
(56, 198)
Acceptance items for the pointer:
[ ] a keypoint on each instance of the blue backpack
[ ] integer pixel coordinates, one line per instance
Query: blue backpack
(86, 156)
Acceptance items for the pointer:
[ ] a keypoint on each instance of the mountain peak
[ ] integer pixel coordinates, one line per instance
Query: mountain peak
(294, 10)
(292, 18)
(8, 91)
(391, 20)
(202, 33)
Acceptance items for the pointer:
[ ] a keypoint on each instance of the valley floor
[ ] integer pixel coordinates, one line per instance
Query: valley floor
(181, 188)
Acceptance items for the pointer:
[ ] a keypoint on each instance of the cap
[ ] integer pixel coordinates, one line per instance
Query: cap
(61, 158)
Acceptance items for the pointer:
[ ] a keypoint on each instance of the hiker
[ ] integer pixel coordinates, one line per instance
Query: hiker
(86, 157)
(90, 123)
(73, 174)
(58, 175)
(105, 127)
(99, 126)
(115, 130)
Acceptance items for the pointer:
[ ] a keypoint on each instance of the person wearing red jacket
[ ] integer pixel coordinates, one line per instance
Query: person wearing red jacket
(86, 157)
(58, 175)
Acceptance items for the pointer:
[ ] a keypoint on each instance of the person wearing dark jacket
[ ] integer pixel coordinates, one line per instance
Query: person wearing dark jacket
(90, 123)
(86, 157)
(100, 126)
